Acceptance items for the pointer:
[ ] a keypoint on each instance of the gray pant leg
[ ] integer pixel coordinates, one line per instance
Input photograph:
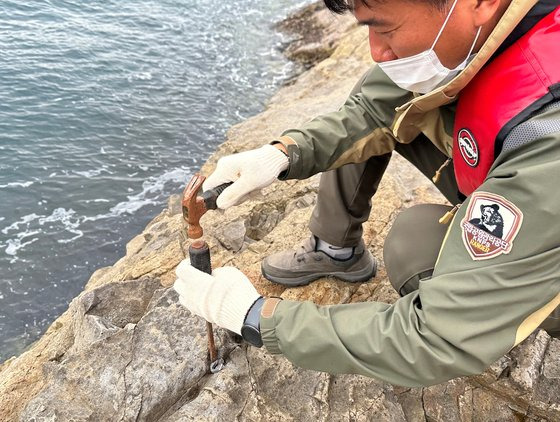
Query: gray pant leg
(412, 246)
(344, 200)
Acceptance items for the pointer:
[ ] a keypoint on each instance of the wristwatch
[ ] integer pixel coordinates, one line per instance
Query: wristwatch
(250, 331)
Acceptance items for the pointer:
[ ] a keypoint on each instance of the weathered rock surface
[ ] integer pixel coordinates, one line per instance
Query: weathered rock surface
(126, 350)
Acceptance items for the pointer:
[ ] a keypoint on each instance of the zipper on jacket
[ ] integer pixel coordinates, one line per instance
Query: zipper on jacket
(437, 176)
(448, 216)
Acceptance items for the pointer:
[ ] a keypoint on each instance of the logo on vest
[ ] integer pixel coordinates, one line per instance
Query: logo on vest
(468, 147)
(490, 225)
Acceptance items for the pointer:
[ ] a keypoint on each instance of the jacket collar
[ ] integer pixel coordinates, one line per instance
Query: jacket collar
(410, 112)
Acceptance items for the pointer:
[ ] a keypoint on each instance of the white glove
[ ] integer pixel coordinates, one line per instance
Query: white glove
(223, 298)
(249, 170)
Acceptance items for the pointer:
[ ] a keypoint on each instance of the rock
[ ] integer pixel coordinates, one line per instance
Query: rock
(257, 386)
(312, 34)
(262, 220)
(143, 362)
(522, 378)
(135, 244)
(174, 205)
(305, 201)
(232, 235)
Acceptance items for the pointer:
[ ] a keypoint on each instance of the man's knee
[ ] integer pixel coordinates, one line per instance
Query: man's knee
(412, 246)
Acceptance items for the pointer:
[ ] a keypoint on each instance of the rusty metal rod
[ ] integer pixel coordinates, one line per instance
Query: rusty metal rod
(211, 344)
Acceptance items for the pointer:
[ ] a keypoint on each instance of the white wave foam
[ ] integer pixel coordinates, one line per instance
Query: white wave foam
(93, 172)
(142, 76)
(26, 219)
(152, 186)
(17, 184)
(88, 173)
(13, 245)
(33, 224)
(152, 189)
(88, 201)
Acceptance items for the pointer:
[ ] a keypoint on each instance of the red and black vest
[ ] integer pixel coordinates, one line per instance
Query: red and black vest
(522, 79)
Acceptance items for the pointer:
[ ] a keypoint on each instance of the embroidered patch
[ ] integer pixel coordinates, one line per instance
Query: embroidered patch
(490, 225)
(468, 147)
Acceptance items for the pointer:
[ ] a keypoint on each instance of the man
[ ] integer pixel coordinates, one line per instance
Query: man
(476, 80)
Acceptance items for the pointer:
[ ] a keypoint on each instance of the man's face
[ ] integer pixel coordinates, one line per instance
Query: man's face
(402, 28)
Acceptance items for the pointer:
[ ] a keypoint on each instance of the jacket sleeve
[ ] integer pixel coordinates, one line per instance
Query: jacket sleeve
(464, 318)
(361, 128)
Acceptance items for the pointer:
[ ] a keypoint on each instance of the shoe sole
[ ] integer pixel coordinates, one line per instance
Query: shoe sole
(353, 277)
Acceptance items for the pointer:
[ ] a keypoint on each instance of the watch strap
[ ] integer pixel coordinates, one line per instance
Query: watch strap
(250, 331)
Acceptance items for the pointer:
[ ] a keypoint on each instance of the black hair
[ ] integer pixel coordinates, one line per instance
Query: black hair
(343, 6)
(339, 6)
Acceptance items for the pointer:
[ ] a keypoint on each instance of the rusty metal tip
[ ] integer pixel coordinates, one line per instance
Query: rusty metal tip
(198, 244)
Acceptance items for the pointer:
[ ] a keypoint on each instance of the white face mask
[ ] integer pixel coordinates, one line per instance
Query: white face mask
(423, 72)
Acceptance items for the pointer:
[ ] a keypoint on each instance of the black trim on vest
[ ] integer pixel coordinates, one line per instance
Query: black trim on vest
(524, 115)
(555, 90)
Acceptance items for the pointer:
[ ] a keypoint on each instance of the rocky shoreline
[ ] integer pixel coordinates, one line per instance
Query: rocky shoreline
(126, 350)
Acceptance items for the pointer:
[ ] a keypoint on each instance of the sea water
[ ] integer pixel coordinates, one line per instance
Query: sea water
(107, 108)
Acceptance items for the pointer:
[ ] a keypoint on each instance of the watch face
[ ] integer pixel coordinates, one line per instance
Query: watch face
(251, 335)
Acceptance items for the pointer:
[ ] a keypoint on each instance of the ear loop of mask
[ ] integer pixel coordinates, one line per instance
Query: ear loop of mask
(474, 42)
(444, 24)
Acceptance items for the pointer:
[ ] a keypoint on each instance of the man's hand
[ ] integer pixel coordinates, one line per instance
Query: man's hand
(222, 298)
(249, 170)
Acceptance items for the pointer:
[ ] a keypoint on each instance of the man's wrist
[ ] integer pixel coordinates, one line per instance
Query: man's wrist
(280, 146)
(288, 146)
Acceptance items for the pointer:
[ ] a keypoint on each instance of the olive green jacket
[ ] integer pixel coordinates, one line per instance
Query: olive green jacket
(472, 311)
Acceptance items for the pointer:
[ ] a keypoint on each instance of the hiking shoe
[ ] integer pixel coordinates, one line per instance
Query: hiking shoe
(305, 264)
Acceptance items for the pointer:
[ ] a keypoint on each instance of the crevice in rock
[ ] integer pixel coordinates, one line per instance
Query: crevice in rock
(194, 389)
(542, 360)
(252, 378)
(251, 391)
(266, 216)
(472, 390)
(506, 372)
(191, 393)
(140, 407)
(57, 358)
(328, 395)
(124, 412)
(424, 405)
(262, 220)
